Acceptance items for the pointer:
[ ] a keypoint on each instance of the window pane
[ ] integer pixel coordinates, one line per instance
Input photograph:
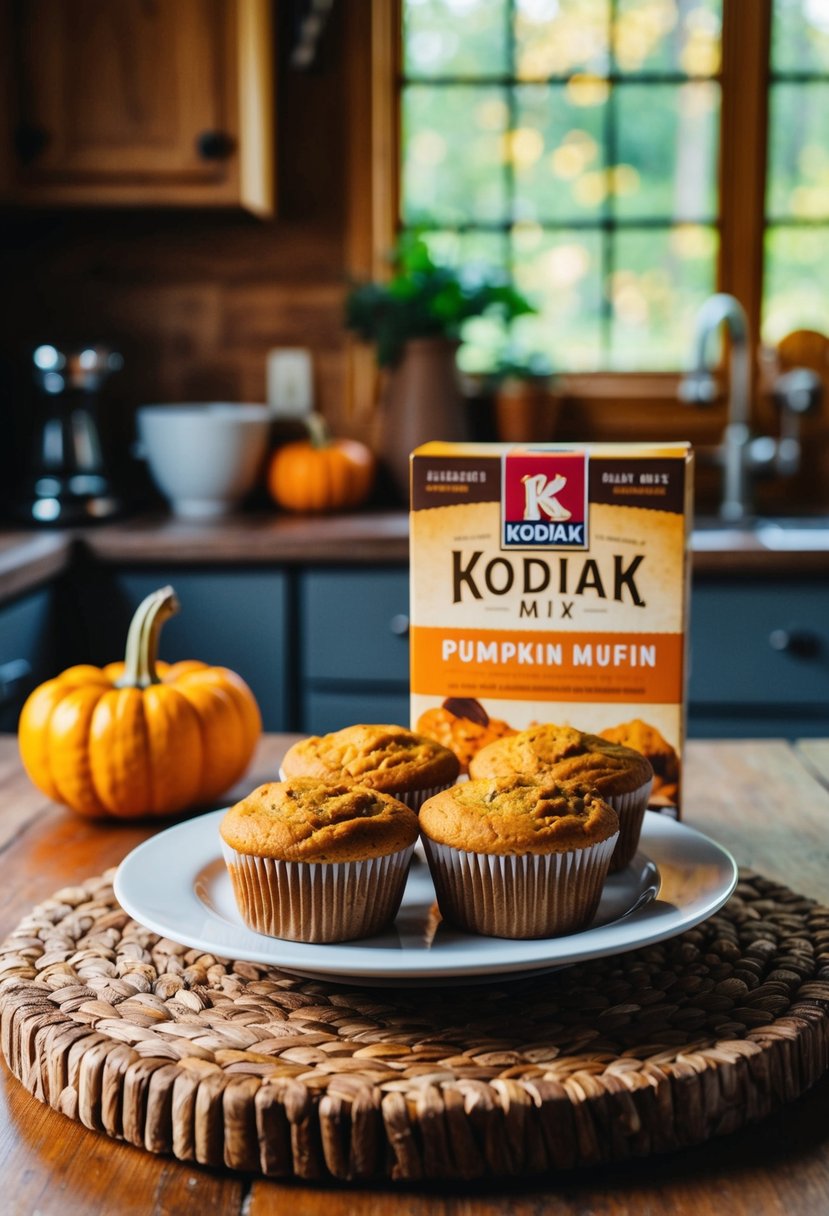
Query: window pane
(668, 36)
(800, 36)
(557, 154)
(561, 274)
(666, 151)
(453, 144)
(659, 280)
(559, 37)
(455, 37)
(798, 183)
(796, 280)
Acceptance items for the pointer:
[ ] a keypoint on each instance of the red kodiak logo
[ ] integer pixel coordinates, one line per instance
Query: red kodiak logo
(544, 500)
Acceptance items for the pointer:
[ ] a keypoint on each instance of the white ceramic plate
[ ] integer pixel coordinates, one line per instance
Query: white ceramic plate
(176, 884)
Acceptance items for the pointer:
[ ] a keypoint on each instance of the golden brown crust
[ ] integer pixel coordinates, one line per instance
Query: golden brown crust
(568, 755)
(464, 736)
(516, 815)
(385, 758)
(304, 819)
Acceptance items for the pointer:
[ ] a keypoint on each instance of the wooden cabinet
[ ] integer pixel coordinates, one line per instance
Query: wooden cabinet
(759, 658)
(139, 102)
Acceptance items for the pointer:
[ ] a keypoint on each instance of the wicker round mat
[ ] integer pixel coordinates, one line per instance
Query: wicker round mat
(234, 1064)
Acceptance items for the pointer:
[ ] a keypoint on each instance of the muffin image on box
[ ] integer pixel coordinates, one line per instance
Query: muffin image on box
(664, 761)
(622, 776)
(463, 725)
(515, 857)
(312, 861)
(390, 759)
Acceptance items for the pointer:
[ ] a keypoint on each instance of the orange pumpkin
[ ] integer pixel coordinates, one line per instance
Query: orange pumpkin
(320, 474)
(139, 737)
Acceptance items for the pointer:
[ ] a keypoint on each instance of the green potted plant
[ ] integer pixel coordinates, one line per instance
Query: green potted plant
(415, 321)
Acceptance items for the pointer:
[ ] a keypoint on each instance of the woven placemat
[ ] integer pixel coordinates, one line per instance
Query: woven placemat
(239, 1065)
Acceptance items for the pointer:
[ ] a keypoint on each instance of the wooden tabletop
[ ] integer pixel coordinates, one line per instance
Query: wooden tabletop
(768, 802)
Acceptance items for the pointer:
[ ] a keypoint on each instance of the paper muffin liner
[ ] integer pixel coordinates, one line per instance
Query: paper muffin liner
(631, 811)
(413, 799)
(531, 895)
(303, 901)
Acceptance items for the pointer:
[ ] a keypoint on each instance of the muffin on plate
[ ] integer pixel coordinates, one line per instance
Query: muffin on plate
(313, 861)
(621, 775)
(389, 759)
(519, 857)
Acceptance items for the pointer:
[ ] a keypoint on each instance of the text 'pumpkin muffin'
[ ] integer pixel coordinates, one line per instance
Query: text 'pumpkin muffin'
(622, 776)
(313, 861)
(513, 857)
(391, 759)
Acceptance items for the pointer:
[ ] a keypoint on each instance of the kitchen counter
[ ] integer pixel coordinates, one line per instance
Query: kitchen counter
(371, 538)
(768, 802)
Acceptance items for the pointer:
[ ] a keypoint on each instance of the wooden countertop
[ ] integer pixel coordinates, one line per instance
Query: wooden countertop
(30, 558)
(766, 801)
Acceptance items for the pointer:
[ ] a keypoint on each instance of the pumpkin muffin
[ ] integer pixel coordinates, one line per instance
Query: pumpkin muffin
(664, 761)
(519, 857)
(621, 775)
(389, 759)
(314, 861)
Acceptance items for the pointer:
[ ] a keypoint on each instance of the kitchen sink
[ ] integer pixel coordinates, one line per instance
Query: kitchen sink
(786, 532)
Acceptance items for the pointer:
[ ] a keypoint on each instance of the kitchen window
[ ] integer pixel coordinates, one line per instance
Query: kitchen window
(622, 159)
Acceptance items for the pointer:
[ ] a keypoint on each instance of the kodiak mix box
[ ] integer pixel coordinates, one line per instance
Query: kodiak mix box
(550, 584)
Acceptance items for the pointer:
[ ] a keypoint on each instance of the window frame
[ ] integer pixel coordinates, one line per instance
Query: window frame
(610, 404)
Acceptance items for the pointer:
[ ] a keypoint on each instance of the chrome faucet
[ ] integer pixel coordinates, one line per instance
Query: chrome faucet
(740, 455)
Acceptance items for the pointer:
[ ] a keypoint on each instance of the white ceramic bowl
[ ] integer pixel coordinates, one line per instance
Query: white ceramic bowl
(204, 458)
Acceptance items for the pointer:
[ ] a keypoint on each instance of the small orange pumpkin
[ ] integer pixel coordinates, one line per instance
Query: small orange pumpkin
(140, 737)
(320, 474)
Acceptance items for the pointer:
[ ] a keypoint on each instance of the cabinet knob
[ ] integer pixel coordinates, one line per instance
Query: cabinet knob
(801, 643)
(399, 625)
(214, 145)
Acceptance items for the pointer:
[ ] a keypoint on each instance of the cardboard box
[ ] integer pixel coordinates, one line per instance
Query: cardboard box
(551, 584)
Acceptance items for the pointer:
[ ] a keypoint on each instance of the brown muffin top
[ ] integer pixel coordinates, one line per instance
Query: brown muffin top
(304, 819)
(567, 754)
(382, 757)
(515, 815)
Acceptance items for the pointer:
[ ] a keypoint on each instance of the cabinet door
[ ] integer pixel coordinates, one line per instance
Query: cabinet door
(27, 650)
(354, 657)
(230, 618)
(759, 658)
(134, 102)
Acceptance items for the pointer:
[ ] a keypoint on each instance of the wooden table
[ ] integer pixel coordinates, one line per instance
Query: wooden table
(766, 801)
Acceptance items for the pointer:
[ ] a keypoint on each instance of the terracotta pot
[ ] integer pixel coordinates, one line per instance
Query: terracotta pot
(422, 401)
(525, 411)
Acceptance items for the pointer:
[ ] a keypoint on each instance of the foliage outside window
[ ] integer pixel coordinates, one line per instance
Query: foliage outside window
(576, 144)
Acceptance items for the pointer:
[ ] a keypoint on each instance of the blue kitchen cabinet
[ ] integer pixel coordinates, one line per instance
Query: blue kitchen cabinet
(759, 658)
(354, 647)
(28, 649)
(230, 617)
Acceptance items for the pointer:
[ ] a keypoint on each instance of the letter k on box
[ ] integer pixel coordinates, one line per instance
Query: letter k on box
(550, 584)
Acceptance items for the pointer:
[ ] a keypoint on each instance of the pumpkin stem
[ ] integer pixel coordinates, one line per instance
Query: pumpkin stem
(317, 430)
(142, 639)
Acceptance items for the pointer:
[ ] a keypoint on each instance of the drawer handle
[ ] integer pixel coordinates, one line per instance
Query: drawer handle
(399, 625)
(801, 643)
